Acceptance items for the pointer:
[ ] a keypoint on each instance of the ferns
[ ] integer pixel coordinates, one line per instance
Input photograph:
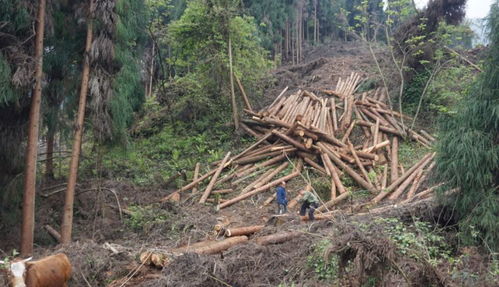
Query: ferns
(468, 155)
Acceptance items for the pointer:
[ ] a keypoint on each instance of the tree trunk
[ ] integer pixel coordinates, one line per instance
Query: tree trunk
(28, 224)
(67, 219)
(233, 95)
(49, 163)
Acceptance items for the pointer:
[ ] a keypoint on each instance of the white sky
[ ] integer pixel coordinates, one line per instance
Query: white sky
(474, 8)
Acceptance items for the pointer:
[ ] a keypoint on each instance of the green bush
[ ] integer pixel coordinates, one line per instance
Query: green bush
(325, 266)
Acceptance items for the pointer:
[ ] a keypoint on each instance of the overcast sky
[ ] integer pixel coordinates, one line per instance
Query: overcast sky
(474, 8)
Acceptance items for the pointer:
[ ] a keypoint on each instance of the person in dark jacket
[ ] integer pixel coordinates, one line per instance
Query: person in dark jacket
(282, 201)
(310, 202)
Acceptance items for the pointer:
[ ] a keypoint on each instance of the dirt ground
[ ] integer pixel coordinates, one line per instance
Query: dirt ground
(99, 224)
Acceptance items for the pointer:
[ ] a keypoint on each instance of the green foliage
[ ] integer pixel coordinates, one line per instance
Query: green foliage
(325, 266)
(163, 154)
(7, 93)
(468, 152)
(128, 89)
(142, 219)
(419, 240)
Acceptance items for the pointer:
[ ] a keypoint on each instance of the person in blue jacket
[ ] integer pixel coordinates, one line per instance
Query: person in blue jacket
(282, 201)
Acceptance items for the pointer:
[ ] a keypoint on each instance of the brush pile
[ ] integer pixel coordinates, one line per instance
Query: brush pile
(340, 134)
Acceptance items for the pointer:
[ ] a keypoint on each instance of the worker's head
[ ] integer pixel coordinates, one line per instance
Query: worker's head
(283, 184)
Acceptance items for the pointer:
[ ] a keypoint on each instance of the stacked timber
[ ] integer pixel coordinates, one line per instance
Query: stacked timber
(338, 133)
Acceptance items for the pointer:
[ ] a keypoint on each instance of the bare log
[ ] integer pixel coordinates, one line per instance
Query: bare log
(290, 140)
(408, 181)
(214, 179)
(395, 160)
(334, 173)
(220, 246)
(222, 191)
(334, 201)
(56, 235)
(277, 238)
(195, 177)
(266, 177)
(260, 189)
(347, 169)
(243, 230)
(359, 164)
(245, 98)
(396, 183)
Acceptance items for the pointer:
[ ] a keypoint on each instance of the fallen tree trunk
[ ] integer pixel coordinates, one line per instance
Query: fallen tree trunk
(220, 246)
(214, 179)
(335, 201)
(277, 238)
(243, 230)
(348, 169)
(260, 189)
(394, 185)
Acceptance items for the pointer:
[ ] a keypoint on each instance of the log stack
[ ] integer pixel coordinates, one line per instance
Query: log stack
(338, 133)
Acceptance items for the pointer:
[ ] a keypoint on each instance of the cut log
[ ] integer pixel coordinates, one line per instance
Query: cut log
(261, 165)
(347, 133)
(277, 238)
(395, 160)
(334, 173)
(335, 201)
(290, 141)
(220, 246)
(403, 177)
(195, 177)
(214, 179)
(56, 235)
(408, 181)
(420, 181)
(249, 131)
(315, 165)
(243, 230)
(376, 147)
(222, 191)
(243, 93)
(193, 246)
(382, 128)
(255, 158)
(347, 169)
(359, 164)
(266, 177)
(260, 189)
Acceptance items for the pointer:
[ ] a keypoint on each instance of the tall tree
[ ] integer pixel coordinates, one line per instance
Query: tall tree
(28, 224)
(468, 153)
(67, 221)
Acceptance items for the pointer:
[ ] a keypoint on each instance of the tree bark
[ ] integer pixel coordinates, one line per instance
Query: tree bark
(67, 220)
(233, 94)
(214, 179)
(395, 161)
(28, 224)
(243, 230)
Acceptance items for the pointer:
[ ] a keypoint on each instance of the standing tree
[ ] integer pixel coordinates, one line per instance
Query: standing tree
(67, 222)
(468, 152)
(28, 225)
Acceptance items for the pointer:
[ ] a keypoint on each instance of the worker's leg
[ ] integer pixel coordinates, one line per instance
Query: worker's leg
(303, 208)
(285, 208)
(278, 208)
(311, 211)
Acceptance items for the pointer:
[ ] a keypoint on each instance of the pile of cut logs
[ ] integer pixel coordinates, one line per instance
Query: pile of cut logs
(338, 134)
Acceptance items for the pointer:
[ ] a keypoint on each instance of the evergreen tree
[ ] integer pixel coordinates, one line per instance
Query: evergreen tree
(468, 153)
